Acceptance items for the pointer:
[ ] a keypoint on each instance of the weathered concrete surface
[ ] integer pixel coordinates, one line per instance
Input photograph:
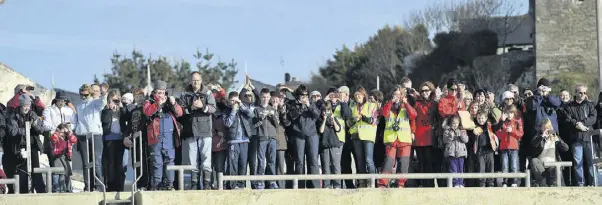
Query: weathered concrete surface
(497, 196)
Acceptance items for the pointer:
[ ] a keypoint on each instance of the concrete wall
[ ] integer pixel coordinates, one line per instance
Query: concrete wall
(481, 196)
(9, 79)
(565, 37)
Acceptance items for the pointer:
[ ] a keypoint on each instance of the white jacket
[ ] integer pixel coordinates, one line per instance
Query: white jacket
(54, 116)
(87, 118)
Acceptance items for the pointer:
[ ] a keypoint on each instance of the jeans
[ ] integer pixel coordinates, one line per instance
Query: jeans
(266, 156)
(396, 153)
(281, 166)
(486, 163)
(199, 155)
(81, 148)
(510, 161)
(162, 155)
(237, 162)
(331, 164)
(365, 156)
(456, 165)
(582, 154)
(307, 146)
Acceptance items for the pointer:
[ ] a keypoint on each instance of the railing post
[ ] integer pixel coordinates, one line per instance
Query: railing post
(528, 178)
(373, 182)
(180, 169)
(450, 181)
(48, 172)
(220, 181)
(17, 183)
(559, 175)
(296, 183)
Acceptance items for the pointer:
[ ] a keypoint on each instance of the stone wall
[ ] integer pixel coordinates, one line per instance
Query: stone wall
(10, 78)
(565, 37)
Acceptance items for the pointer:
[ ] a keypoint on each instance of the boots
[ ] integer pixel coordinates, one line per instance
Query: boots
(207, 180)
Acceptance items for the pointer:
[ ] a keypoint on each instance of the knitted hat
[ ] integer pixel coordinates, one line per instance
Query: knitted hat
(544, 82)
(507, 94)
(24, 100)
(128, 96)
(160, 85)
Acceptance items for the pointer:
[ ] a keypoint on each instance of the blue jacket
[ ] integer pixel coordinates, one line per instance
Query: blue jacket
(544, 107)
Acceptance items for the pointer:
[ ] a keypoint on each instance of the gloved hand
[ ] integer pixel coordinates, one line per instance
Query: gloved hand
(367, 119)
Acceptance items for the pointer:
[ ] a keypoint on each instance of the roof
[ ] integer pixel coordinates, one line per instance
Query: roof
(511, 30)
(260, 85)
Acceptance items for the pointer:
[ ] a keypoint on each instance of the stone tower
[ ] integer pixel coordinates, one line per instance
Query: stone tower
(565, 39)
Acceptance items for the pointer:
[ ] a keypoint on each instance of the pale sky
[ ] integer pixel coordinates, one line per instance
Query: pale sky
(75, 39)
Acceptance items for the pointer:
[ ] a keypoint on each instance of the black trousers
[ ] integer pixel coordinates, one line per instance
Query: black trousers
(425, 163)
(13, 164)
(112, 165)
(346, 163)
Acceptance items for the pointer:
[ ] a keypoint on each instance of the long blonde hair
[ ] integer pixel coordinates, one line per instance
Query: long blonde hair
(547, 125)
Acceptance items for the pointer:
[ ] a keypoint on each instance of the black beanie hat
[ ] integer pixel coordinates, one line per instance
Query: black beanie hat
(544, 82)
(332, 90)
(451, 82)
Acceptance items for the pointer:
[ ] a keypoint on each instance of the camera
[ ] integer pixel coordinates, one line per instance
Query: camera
(395, 126)
(30, 88)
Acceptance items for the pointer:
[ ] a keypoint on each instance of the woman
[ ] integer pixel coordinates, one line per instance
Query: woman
(136, 121)
(546, 148)
(398, 135)
(363, 132)
(113, 119)
(426, 109)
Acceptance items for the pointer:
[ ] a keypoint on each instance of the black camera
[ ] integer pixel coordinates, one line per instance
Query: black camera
(198, 96)
(30, 88)
(395, 126)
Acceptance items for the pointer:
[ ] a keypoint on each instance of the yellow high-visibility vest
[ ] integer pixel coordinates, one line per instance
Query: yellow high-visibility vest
(337, 116)
(404, 134)
(364, 130)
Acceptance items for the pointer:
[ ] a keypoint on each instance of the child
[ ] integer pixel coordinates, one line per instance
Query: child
(237, 118)
(455, 140)
(485, 146)
(331, 146)
(62, 141)
(266, 123)
(510, 131)
(546, 146)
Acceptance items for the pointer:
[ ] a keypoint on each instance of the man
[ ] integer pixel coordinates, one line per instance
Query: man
(581, 115)
(198, 104)
(87, 122)
(544, 105)
(238, 119)
(26, 90)
(58, 113)
(564, 131)
(15, 159)
(162, 112)
(266, 122)
(346, 157)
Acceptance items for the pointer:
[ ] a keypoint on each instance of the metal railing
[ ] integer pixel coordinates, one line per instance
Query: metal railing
(558, 166)
(373, 177)
(14, 181)
(90, 137)
(138, 161)
(181, 169)
(49, 171)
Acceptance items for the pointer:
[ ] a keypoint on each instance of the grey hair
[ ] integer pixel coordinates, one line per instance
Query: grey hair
(580, 86)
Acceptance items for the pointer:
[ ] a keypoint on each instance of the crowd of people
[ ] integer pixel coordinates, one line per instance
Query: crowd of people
(427, 129)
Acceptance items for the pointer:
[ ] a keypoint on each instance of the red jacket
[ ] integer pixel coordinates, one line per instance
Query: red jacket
(510, 140)
(59, 144)
(426, 111)
(448, 106)
(149, 109)
(13, 103)
(386, 110)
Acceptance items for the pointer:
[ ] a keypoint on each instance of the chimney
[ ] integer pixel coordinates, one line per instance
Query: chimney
(287, 77)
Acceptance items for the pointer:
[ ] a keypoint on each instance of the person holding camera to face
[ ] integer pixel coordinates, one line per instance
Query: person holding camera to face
(266, 122)
(62, 141)
(543, 105)
(15, 153)
(163, 136)
(332, 138)
(26, 90)
(199, 104)
(238, 120)
(303, 116)
(113, 118)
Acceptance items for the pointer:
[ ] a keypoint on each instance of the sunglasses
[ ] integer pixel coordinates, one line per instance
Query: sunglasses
(116, 101)
(582, 93)
(424, 91)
